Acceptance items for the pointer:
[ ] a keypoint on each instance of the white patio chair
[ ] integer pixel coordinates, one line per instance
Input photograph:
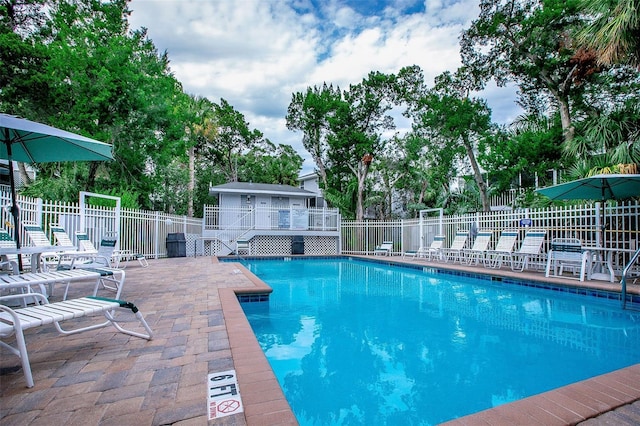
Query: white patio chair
(100, 260)
(477, 252)
(427, 252)
(503, 249)
(567, 253)
(8, 262)
(243, 246)
(455, 251)
(39, 239)
(531, 247)
(384, 249)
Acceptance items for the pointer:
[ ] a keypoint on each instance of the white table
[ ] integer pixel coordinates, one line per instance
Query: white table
(604, 262)
(34, 251)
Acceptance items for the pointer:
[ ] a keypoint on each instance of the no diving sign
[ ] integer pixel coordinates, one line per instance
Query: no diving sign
(223, 394)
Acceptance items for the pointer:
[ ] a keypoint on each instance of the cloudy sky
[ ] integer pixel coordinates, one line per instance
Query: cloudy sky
(256, 53)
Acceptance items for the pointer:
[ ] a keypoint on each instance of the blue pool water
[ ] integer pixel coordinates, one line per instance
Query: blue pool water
(354, 342)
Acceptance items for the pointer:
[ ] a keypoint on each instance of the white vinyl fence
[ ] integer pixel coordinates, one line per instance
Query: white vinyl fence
(139, 231)
(619, 228)
(145, 232)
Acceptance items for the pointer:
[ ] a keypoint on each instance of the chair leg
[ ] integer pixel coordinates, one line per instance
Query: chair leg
(142, 260)
(21, 348)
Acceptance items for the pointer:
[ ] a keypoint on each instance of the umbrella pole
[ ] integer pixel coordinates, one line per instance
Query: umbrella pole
(15, 210)
(604, 224)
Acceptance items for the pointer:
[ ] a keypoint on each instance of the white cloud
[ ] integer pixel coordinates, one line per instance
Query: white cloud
(256, 53)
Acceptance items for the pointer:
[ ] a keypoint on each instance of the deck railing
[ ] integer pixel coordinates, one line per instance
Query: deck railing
(266, 218)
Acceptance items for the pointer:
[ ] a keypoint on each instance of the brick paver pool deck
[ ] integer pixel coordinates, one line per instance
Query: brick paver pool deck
(103, 377)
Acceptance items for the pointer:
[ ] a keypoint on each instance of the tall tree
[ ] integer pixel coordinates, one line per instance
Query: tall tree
(233, 138)
(530, 42)
(22, 59)
(202, 130)
(458, 122)
(345, 131)
(112, 85)
(515, 155)
(269, 163)
(309, 113)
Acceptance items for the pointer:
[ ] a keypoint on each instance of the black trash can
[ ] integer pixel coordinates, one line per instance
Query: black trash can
(297, 245)
(176, 245)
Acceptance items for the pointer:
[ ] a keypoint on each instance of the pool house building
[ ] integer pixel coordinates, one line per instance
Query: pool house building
(268, 219)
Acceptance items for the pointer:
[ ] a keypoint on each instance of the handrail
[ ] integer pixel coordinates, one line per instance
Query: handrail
(195, 251)
(623, 281)
(238, 223)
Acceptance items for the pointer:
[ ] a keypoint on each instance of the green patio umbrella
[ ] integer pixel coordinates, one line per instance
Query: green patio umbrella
(31, 142)
(601, 187)
(598, 187)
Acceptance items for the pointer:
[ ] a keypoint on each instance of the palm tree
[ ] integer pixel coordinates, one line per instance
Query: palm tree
(614, 33)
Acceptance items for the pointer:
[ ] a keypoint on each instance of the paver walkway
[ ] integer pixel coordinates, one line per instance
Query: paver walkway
(103, 377)
(107, 378)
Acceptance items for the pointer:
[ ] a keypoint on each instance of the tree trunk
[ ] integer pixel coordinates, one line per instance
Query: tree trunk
(565, 118)
(93, 170)
(482, 186)
(361, 174)
(192, 180)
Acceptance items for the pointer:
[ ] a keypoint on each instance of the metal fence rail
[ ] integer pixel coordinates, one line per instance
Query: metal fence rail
(138, 231)
(146, 232)
(620, 230)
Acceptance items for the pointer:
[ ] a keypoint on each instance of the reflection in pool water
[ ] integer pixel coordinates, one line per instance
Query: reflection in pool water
(355, 342)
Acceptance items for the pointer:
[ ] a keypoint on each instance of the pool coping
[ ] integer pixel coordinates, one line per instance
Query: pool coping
(265, 403)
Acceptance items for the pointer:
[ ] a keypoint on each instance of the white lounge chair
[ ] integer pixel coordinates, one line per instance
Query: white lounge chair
(85, 244)
(477, 252)
(121, 257)
(8, 262)
(39, 239)
(61, 237)
(63, 240)
(434, 248)
(503, 249)
(101, 261)
(531, 247)
(13, 321)
(455, 251)
(384, 249)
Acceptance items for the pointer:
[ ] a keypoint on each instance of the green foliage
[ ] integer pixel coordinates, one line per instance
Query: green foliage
(530, 42)
(128, 199)
(531, 199)
(510, 155)
(61, 184)
(232, 139)
(270, 164)
(454, 123)
(613, 33)
(79, 67)
(343, 131)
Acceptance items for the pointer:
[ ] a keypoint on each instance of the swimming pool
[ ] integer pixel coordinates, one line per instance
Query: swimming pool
(357, 342)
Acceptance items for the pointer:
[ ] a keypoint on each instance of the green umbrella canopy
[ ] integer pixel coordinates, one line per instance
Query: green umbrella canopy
(598, 187)
(31, 142)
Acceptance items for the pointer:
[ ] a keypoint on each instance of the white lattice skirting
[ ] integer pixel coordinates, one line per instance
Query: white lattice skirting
(277, 245)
